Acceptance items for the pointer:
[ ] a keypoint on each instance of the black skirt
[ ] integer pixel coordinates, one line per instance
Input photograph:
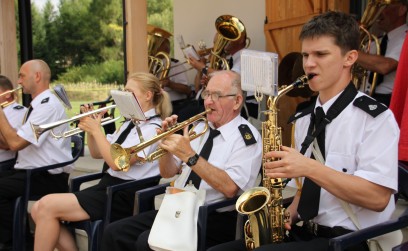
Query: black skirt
(93, 199)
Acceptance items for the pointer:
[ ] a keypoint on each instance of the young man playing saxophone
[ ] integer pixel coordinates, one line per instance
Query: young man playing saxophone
(358, 146)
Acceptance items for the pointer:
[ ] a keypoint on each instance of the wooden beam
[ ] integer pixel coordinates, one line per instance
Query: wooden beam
(136, 38)
(8, 41)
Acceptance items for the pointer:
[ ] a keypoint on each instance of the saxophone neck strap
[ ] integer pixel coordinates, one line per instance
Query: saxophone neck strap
(345, 98)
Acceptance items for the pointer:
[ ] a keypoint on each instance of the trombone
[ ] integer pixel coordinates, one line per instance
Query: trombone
(40, 129)
(121, 156)
(7, 103)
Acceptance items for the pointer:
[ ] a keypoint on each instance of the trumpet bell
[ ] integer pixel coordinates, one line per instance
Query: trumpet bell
(120, 156)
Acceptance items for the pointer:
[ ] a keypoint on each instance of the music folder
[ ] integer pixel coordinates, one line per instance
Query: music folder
(259, 72)
(190, 52)
(128, 105)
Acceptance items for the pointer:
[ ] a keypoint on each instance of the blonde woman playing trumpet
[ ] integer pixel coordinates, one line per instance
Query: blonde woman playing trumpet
(89, 203)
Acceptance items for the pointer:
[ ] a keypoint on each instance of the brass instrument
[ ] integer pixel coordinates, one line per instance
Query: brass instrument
(371, 13)
(263, 205)
(40, 129)
(229, 28)
(7, 103)
(121, 156)
(158, 61)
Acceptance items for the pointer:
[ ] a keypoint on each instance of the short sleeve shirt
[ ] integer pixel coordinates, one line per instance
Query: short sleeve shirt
(229, 153)
(355, 144)
(46, 150)
(15, 114)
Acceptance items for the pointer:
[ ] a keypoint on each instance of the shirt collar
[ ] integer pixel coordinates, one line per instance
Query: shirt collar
(230, 128)
(397, 32)
(35, 102)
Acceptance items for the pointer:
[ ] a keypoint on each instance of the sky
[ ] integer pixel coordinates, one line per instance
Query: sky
(40, 3)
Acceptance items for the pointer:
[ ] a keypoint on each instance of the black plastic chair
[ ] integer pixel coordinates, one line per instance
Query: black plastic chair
(20, 219)
(403, 180)
(144, 201)
(347, 240)
(94, 229)
(402, 247)
(7, 165)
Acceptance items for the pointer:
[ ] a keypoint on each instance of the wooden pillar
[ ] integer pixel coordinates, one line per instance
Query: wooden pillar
(8, 41)
(136, 35)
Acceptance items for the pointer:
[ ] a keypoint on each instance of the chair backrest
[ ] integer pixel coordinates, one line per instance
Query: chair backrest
(76, 146)
(403, 180)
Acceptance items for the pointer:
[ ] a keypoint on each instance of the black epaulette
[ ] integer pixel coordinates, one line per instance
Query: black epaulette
(174, 60)
(247, 135)
(45, 100)
(302, 110)
(370, 105)
(18, 107)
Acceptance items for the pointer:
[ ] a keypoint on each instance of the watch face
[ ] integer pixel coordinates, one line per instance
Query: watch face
(192, 160)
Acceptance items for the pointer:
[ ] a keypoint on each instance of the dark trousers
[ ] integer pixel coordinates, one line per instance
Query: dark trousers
(132, 233)
(300, 239)
(12, 185)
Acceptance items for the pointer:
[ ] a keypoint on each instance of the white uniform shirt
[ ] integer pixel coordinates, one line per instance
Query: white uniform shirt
(181, 78)
(231, 154)
(15, 115)
(47, 150)
(360, 145)
(148, 128)
(395, 40)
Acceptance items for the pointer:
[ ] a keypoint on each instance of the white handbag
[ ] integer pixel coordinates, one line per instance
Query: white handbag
(175, 225)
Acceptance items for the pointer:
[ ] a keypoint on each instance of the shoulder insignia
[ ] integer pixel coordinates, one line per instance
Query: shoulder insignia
(303, 109)
(45, 100)
(370, 105)
(247, 135)
(18, 107)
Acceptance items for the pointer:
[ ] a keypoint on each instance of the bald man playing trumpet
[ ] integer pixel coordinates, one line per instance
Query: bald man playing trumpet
(34, 77)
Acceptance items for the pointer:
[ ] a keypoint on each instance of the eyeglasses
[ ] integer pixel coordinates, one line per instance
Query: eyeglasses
(215, 95)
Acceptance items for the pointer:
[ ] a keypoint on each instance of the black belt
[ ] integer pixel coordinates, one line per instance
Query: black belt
(323, 231)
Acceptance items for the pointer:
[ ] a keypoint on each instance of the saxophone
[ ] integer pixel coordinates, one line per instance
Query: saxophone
(263, 205)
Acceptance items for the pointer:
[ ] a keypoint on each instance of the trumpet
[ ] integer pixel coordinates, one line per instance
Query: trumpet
(40, 129)
(7, 103)
(121, 156)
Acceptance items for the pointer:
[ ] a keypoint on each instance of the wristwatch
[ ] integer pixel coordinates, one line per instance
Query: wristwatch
(192, 160)
(204, 71)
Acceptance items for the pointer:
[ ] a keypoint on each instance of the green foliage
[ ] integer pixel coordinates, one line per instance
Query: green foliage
(106, 73)
(88, 34)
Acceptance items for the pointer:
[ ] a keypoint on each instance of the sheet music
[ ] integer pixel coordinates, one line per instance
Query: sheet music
(61, 94)
(259, 72)
(190, 52)
(128, 105)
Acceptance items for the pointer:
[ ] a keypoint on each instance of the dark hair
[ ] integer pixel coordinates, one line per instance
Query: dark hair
(5, 83)
(339, 25)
